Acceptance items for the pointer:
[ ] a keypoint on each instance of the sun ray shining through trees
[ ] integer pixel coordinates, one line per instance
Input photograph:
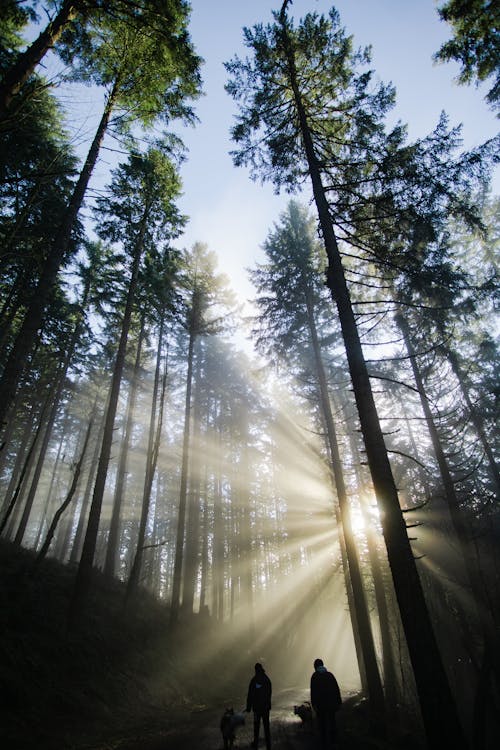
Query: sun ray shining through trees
(297, 120)
(200, 482)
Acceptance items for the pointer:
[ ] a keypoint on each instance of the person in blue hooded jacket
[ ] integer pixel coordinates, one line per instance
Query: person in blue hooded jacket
(325, 700)
(259, 701)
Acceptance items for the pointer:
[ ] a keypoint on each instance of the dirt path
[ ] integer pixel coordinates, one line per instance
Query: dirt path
(287, 730)
(199, 730)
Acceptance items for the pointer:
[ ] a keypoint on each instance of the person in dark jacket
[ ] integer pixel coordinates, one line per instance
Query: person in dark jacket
(259, 701)
(326, 700)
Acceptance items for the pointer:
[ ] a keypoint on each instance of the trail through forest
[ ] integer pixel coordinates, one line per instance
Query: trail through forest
(199, 728)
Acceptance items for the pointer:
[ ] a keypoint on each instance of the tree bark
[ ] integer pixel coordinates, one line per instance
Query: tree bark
(114, 527)
(83, 515)
(32, 321)
(181, 518)
(69, 497)
(84, 574)
(151, 458)
(373, 681)
(27, 61)
(438, 707)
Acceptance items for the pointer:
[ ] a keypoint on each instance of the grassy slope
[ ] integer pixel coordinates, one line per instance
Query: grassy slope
(65, 690)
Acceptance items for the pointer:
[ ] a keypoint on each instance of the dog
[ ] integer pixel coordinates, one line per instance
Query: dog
(228, 724)
(304, 712)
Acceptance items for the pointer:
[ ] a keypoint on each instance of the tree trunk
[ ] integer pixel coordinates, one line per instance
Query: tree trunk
(246, 529)
(439, 711)
(204, 547)
(193, 524)
(28, 60)
(84, 574)
(373, 681)
(32, 321)
(151, 458)
(48, 498)
(381, 594)
(47, 432)
(181, 518)
(69, 497)
(28, 461)
(20, 451)
(121, 474)
(218, 551)
(83, 515)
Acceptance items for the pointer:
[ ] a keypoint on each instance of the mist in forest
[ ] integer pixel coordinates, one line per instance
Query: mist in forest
(201, 482)
(261, 553)
(235, 488)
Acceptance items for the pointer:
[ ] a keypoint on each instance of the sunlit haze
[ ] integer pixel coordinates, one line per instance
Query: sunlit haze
(267, 433)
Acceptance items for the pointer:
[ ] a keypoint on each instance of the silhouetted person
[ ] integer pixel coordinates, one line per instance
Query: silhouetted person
(326, 700)
(259, 701)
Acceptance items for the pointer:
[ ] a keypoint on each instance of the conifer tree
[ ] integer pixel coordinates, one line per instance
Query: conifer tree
(292, 303)
(305, 107)
(207, 299)
(149, 74)
(474, 44)
(140, 212)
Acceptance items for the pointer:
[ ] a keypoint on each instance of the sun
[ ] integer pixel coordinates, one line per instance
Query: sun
(358, 525)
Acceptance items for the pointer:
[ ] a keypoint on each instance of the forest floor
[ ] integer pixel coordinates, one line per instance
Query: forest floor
(124, 681)
(198, 728)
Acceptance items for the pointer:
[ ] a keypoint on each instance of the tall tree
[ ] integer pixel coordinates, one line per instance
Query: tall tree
(206, 296)
(152, 451)
(196, 468)
(291, 304)
(160, 295)
(303, 104)
(112, 548)
(140, 212)
(149, 74)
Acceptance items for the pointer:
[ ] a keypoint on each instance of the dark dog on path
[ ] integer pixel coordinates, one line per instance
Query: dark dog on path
(228, 725)
(304, 712)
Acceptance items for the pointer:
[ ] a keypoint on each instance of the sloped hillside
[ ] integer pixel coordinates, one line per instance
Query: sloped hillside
(63, 689)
